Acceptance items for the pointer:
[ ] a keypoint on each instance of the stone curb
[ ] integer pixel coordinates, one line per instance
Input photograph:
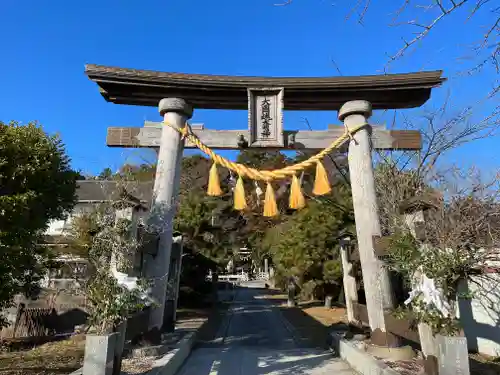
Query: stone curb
(226, 320)
(173, 360)
(359, 360)
(224, 327)
(170, 363)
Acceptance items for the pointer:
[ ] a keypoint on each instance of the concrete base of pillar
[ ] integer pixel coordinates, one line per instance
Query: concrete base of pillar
(403, 353)
(119, 346)
(168, 317)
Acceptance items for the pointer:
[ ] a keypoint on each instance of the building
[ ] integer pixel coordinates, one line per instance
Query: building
(60, 296)
(90, 194)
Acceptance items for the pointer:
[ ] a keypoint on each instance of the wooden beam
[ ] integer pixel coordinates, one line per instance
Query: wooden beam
(149, 136)
(399, 327)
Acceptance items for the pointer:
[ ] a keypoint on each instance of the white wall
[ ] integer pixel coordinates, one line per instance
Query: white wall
(480, 317)
(57, 227)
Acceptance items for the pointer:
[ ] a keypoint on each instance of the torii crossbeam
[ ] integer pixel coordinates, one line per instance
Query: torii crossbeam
(150, 135)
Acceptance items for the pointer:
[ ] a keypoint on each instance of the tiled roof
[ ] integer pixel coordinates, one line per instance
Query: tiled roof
(147, 88)
(97, 190)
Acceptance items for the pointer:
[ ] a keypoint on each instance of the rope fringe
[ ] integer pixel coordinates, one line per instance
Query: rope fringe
(297, 200)
(270, 206)
(214, 189)
(321, 183)
(240, 202)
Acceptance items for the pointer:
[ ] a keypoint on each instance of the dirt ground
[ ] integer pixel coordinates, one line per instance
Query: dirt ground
(312, 319)
(66, 356)
(61, 357)
(311, 322)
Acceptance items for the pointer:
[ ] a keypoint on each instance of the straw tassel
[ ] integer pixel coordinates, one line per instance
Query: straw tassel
(214, 189)
(297, 200)
(240, 202)
(270, 206)
(321, 184)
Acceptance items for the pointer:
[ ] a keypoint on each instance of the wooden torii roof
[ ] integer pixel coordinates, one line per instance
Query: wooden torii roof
(147, 88)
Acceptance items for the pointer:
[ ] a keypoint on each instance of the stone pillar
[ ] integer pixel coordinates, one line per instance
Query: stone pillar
(375, 277)
(166, 187)
(349, 281)
(266, 266)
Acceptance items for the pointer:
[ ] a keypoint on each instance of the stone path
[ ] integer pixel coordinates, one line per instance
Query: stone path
(253, 340)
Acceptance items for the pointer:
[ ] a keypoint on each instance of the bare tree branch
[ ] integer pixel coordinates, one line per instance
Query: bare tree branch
(337, 67)
(361, 8)
(427, 27)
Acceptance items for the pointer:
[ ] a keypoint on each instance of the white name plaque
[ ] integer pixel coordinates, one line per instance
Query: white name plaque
(265, 117)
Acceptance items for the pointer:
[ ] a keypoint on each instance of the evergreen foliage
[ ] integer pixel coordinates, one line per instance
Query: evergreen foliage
(37, 185)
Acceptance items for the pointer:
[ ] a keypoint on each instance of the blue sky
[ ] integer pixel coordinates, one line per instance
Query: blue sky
(45, 45)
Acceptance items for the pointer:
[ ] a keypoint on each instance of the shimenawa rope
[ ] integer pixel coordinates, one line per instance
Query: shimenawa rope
(321, 184)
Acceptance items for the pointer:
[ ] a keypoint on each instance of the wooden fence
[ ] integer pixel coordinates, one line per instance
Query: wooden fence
(32, 322)
(404, 328)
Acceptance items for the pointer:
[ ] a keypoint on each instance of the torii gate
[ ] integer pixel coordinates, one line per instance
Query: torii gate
(266, 98)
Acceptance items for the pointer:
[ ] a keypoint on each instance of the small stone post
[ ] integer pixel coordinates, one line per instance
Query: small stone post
(215, 287)
(271, 277)
(121, 331)
(349, 281)
(453, 356)
(178, 280)
(266, 267)
(99, 354)
(173, 285)
(175, 112)
(292, 292)
(379, 296)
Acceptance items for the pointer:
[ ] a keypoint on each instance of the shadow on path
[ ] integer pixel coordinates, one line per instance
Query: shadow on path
(254, 339)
